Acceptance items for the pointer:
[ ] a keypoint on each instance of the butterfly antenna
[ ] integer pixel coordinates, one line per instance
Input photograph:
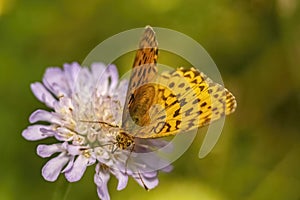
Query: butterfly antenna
(140, 177)
(100, 122)
(114, 147)
(126, 163)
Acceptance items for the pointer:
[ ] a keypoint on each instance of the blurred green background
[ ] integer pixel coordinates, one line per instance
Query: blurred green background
(254, 43)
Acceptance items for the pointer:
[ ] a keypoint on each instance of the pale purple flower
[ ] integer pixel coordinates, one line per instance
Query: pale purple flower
(78, 97)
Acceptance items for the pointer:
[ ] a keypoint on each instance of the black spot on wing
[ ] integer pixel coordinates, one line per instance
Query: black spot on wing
(139, 64)
(194, 81)
(157, 129)
(196, 101)
(199, 112)
(182, 102)
(178, 122)
(187, 88)
(201, 87)
(187, 75)
(181, 85)
(203, 104)
(176, 113)
(188, 112)
(171, 85)
(171, 104)
(191, 124)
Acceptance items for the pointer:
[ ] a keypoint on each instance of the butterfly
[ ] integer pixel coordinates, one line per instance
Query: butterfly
(160, 105)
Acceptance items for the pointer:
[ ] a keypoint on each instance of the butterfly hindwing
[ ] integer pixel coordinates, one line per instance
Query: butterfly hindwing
(187, 99)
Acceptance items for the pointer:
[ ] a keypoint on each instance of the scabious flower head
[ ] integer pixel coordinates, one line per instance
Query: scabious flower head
(79, 97)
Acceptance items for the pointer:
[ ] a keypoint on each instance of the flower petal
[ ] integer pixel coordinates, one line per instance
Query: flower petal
(114, 77)
(54, 79)
(42, 94)
(78, 169)
(122, 91)
(69, 165)
(101, 78)
(74, 150)
(97, 69)
(42, 115)
(150, 174)
(34, 132)
(167, 169)
(71, 72)
(101, 178)
(53, 167)
(150, 183)
(45, 151)
(122, 178)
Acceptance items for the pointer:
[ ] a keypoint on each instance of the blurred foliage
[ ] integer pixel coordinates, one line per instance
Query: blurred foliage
(256, 47)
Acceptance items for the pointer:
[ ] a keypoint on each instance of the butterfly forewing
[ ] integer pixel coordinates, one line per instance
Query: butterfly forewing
(144, 71)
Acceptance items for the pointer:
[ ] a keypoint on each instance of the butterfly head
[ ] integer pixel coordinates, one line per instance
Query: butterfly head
(124, 140)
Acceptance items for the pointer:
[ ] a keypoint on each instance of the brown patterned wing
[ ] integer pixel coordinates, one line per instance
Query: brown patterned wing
(144, 71)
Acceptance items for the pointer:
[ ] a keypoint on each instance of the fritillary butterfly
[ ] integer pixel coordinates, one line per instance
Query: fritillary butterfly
(159, 105)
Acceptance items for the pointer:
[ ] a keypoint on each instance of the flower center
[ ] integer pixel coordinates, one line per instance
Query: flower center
(98, 124)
